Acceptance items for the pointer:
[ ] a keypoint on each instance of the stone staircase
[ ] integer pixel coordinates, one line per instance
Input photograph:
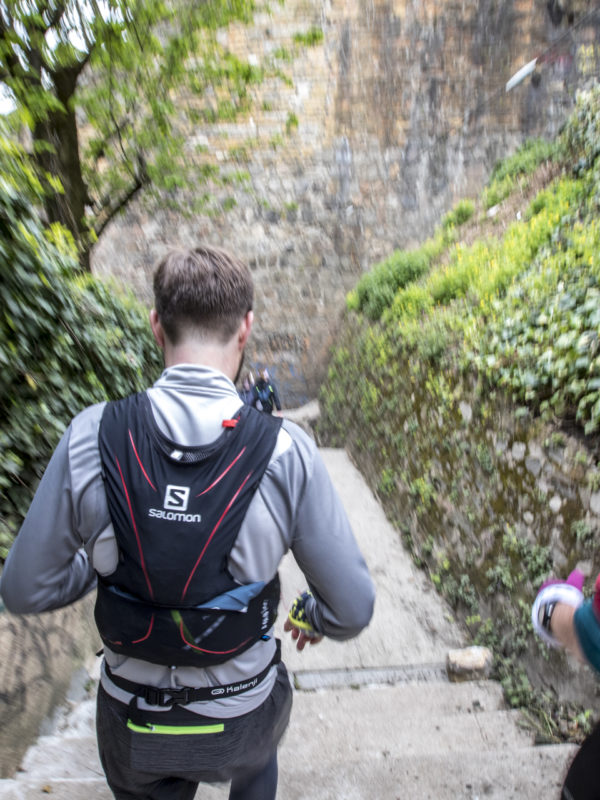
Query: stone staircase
(375, 717)
(428, 739)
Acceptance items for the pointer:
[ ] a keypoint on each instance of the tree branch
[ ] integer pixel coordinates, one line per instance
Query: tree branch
(34, 54)
(65, 78)
(102, 144)
(112, 210)
(80, 66)
(89, 44)
(6, 22)
(67, 75)
(55, 18)
(13, 65)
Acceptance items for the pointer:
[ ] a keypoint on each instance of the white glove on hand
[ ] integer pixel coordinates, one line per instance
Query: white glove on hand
(552, 592)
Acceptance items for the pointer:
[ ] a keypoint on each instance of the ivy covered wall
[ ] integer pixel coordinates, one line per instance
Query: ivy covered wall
(466, 386)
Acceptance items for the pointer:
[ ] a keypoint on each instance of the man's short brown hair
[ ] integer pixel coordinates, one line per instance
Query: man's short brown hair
(206, 290)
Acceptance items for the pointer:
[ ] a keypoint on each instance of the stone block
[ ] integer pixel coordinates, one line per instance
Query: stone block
(469, 664)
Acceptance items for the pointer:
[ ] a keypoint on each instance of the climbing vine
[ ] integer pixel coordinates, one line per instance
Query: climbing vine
(461, 372)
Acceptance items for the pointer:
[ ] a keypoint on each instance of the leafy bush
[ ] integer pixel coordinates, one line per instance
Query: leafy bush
(414, 301)
(66, 340)
(416, 397)
(522, 163)
(546, 350)
(581, 134)
(461, 213)
(497, 191)
(541, 341)
(486, 268)
(375, 291)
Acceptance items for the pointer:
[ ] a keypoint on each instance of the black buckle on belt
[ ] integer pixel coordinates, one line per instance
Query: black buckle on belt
(166, 697)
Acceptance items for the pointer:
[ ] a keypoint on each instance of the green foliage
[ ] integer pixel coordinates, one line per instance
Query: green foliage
(583, 532)
(422, 489)
(497, 191)
(461, 213)
(546, 350)
(460, 592)
(120, 85)
(525, 160)
(282, 54)
(530, 561)
(506, 173)
(412, 303)
(581, 135)
(387, 482)
(593, 480)
(375, 291)
(66, 340)
(484, 456)
(310, 38)
(481, 271)
(291, 123)
(500, 577)
(441, 365)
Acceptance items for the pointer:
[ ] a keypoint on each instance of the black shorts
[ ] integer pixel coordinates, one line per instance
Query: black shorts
(214, 750)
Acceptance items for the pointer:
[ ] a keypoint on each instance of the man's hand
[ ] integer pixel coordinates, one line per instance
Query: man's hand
(297, 622)
(301, 638)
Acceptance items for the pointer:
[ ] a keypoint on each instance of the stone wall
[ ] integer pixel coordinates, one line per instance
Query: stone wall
(40, 654)
(401, 111)
(489, 499)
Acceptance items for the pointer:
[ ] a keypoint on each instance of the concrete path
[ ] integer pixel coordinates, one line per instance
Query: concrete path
(373, 718)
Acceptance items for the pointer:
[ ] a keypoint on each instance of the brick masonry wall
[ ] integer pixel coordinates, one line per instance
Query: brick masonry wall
(401, 111)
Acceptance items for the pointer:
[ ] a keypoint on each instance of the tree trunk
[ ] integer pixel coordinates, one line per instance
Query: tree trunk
(59, 130)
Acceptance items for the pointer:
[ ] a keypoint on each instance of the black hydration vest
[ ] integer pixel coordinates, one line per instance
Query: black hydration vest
(176, 513)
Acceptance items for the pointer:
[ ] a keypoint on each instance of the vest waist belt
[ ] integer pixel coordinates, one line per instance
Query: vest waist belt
(167, 696)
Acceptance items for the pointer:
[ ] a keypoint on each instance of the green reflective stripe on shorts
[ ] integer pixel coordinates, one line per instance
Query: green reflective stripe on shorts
(176, 730)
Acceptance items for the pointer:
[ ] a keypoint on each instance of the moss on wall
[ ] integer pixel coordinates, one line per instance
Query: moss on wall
(467, 396)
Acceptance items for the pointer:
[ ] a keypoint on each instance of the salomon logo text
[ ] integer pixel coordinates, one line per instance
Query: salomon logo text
(173, 516)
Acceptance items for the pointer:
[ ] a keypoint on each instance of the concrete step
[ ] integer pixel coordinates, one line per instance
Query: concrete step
(437, 740)
(399, 721)
(370, 736)
(415, 718)
(515, 774)
(435, 694)
(81, 789)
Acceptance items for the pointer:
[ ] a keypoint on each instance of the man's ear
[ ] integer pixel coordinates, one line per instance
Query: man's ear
(245, 328)
(157, 329)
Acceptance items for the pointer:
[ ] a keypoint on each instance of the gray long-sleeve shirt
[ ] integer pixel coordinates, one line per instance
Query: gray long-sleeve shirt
(67, 535)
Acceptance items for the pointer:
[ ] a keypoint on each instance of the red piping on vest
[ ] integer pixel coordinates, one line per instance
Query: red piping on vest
(140, 462)
(214, 530)
(213, 652)
(135, 530)
(222, 475)
(148, 632)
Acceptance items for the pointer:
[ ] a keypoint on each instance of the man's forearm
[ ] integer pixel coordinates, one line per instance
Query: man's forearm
(343, 597)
